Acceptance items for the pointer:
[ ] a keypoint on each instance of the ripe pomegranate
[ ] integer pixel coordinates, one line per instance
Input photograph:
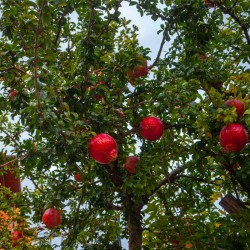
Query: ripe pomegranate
(216, 85)
(209, 3)
(78, 177)
(131, 163)
(238, 104)
(138, 71)
(16, 235)
(152, 128)
(52, 217)
(202, 56)
(97, 97)
(12, 94)
(233, 137)
(237, 166)
(120, 112)
(175, 242)
(122, 115)
(103, 148)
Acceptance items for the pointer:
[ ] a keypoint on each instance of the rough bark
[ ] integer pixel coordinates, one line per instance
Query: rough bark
(135, 227)
(133, 210)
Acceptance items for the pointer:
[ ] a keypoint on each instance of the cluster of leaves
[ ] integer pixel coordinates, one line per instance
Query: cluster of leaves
(54, 54)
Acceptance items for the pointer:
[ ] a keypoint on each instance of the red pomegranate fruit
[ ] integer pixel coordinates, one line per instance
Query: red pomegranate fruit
(238, 104)
(103, 148)
(52, 217)
(16, 236)
(216, 85)
(152, 128)
(95, 86)
(131, 163)
(138, 71)
(12, 94)
(78, 177)
(209, 3)
(233, 137)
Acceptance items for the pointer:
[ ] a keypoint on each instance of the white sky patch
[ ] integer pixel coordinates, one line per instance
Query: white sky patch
(147, 34)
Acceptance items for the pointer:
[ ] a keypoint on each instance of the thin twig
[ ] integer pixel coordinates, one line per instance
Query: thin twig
(209, 96)
(158, 54)
(17, 69)
(37, 187)
(16, 159)
(78, 209)
(11, 137)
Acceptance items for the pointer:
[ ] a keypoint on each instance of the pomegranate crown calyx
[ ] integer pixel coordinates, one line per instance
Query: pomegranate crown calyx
(113, 155)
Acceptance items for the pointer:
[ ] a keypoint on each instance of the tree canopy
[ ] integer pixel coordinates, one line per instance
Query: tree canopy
(64, 82)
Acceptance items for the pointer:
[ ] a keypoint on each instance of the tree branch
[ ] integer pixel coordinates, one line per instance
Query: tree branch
(11, 137)
(86, 69)
(17, 69)
(35, 184)
(78, 209)
(59, 25)
(159, 54)
(237, 19)
(37, 33)
(169, 179)
(234, 178)
(15, 159)
(115, 177)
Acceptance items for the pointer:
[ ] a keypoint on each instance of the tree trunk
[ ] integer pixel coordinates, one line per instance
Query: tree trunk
(135, 227)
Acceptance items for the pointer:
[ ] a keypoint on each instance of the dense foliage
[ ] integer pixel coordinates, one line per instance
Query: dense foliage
(63, 81)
